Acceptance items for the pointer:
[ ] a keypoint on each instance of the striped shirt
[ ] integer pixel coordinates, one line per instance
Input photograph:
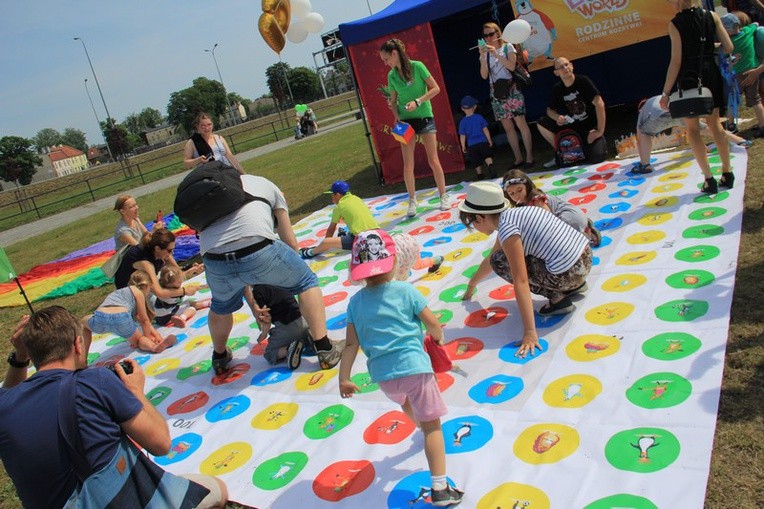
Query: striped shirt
(544, 236)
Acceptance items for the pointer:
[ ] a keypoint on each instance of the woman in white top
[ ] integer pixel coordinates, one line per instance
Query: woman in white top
(219, 150)
(535, 251)
(498, 59)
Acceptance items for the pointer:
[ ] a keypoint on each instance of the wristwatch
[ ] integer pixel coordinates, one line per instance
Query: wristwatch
(17, 364)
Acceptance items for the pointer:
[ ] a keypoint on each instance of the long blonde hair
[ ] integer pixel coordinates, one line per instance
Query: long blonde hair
(141, 280)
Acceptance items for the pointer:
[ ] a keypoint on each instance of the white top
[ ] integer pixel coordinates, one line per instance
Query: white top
(218, 150)
(496, 70)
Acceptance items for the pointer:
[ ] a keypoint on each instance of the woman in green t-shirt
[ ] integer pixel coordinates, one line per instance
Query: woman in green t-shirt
(411, 87)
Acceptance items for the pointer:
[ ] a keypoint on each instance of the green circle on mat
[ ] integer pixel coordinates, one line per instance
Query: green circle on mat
(158, 394)
(702, 231)
(115, 341)
(697, 254)
(323, 281)
(567, 181)
(237, 342)
(715, 159)
(711, 198)
(199, 368)
(659, 390)
(343, 265)
(690, 279)
(671, 346)
(622, 500)
(303, 232)
(204, 290)
(453, 294)
(92, 357)
(408, 220)
(574, 171)
(279, 471)
(642, 450)
(364, 383)
(470, 271)
(557, 192)
(707, 213)
(327, 422)
(443, 315)
(684, 310)
(487, 252)
(457, 187)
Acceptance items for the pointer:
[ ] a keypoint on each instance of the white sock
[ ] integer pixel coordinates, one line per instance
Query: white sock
(438, 482)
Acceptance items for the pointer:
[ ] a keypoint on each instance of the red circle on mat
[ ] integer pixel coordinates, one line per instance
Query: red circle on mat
(601, 176)
(189, 403)
(390, 428)
(444, 381)
(438, 217)
(421, 230)
(259, 348)
(580, 200)
(234, 373)
(599, 186)
(307, 243)
(504, 292)
(334, 298)
(608, 166)
(486, 317)
(343, 479)
(463, 348)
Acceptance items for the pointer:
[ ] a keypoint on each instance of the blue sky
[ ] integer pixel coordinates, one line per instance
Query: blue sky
(142, 51)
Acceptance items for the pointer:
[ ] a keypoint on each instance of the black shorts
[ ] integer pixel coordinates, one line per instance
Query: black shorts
(478, 153)
(424, 125)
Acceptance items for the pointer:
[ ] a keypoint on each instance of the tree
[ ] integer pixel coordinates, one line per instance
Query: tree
(75, 138)
(204, 95)
(133, 124)
(47, 137)
(120, 140)
(18, 161)
(276, 76)
(150, 118)
(305, 83)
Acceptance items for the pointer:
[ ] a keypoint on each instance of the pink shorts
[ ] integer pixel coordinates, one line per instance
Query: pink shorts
(421, 391)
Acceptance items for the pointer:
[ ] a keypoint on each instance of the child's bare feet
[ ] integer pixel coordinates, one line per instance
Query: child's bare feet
(178, 321)
(170, 340)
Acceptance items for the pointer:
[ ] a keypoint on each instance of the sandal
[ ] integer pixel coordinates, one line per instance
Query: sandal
(563, 307)
(641, 169)
(710, 186)
(727, 180)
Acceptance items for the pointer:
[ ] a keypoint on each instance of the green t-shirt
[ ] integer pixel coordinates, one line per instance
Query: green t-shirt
(355, 213)
(414, 89)
(744, 46)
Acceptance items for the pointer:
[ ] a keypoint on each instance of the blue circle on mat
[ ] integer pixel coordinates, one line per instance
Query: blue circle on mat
(496, 389)
(615, 208)
(610, 223)
(412, 491)
(228, 408)
(181, 448)
(595, 261)
(338, 322)
(624, 193)
(199, 322)
(508, 351)
(271, 376)
(386, 206)
(142, 359)
(466, 434)
(437, 241)
(181, 338)
(546, 321)
(633, 181)
(606, 241)
(454, 228)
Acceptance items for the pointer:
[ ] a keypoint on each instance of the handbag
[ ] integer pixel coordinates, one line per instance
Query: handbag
(110, 267)
(501, 89)
(693, 102)
(522, 76)
(438, 355)
(129, 480)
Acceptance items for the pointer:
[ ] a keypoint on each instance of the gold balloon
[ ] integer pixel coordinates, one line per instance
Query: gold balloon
(274, 23)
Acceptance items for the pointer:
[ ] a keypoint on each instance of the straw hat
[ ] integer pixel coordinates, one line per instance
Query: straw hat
(484, 198)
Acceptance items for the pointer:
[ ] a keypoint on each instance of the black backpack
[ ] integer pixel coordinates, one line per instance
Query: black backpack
(569, 148)
(211, 191)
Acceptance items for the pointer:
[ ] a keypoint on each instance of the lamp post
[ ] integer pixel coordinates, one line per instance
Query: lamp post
(228, 103)
(108, 116)
(97, 120)
(369, 6)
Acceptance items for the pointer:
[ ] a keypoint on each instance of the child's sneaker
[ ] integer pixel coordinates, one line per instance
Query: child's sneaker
(437, 261)
(411, 212)
(446, 497)
(444, 205)
(220, 364)
(327, 359)
(642, 169)
(306, 252)
(294, 354)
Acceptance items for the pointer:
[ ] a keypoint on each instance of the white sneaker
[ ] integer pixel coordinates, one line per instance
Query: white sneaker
(444, 205)
(550, 164)
(411, 212)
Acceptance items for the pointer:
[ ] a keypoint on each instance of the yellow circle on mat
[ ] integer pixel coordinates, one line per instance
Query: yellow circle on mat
(646, 237)
(313, 381)
(197, 342)
(516, 495)
(423, 290)
(680, 164)
(592, 347)
(573, 391)
(667, 188)
(546, 443)
(319, 266)
(610, 313)
(655, 218)
(662, 201)
(671, 177)
(162, 365)
(442, 272)
(226, 459)
(458, 254)
(636, 258)
(624, 282)
(275, 416)
(241, 317)
(474, 237)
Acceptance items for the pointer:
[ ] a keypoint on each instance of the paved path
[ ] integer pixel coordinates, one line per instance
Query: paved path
(49, 223)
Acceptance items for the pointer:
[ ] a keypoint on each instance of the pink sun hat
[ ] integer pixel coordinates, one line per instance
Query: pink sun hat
(373, 254)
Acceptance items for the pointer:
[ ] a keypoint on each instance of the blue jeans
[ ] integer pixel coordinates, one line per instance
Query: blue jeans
(276, 265)
(121, 324)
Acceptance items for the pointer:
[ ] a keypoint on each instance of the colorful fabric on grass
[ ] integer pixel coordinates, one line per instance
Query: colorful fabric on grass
(617, 410)
(80, 270)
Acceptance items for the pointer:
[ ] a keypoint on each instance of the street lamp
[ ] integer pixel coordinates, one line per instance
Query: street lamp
(97, 120)
(228, 103)
(108, 116)
(369, 6)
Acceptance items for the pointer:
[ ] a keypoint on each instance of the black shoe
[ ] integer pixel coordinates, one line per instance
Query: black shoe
(642, 169)
(581, 289)
(220, 363)
(727, 180)
(446, 497)
(490, 171)
(563, 307)
(294, 354)
(710, 186)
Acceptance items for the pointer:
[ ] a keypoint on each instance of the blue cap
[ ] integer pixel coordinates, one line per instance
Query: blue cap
(729, 21)
(339, 186)
(469, 102)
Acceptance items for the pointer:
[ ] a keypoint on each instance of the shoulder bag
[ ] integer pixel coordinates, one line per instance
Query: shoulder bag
(521, 75)
(501, 87)
(693, 102)
(110, 267)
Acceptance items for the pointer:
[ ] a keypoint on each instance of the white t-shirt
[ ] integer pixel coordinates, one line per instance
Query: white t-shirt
(496, 69)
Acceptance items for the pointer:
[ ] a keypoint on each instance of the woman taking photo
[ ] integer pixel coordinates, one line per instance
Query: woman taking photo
(498, 59)
(411, 87)
(692, 32)
(205, 146)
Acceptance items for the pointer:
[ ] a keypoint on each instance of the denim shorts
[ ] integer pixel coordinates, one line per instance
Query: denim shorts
(276, 265)
(425, 125)
(121, 324)
(421, 391)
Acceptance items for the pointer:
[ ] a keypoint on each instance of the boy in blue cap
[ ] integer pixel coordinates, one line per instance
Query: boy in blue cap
(476, 138)
(353, 211)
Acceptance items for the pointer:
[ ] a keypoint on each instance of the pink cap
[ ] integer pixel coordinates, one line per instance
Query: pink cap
(373, 254)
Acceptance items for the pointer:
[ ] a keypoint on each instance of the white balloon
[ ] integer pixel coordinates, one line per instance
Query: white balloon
(300, 8)
(296, 32)
(313, 22)
(517, 31)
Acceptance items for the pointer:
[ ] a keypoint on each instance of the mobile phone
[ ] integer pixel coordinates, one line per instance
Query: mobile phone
(210, 157)
(125, 366)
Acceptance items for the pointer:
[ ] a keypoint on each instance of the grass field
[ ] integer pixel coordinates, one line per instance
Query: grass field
(304, 169)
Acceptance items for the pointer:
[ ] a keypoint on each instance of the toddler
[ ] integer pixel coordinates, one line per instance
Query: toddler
(166, 310)
(476, 138)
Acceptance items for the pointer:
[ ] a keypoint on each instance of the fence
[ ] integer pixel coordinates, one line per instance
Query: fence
(23, 205)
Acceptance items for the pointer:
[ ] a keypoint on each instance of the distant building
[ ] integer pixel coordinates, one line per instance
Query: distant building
(165, 134)
(67, 160)
(98, 154)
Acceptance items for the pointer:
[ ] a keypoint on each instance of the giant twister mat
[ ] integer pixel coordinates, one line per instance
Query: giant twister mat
(617, 410)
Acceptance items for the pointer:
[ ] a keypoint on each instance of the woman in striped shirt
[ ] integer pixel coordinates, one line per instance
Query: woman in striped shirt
(535, 251)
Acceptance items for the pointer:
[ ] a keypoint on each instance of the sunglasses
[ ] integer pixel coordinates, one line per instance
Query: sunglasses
(490, 34)
(512, 182)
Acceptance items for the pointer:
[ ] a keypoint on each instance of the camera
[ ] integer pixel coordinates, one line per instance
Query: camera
(210, 157)
(125, 366)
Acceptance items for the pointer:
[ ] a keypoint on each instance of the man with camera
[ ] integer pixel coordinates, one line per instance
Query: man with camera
(66, 420)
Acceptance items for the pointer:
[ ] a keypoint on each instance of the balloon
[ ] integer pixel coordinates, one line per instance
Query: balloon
(300, 109)
(517, 31)
(297, 32)
(313, 22)
(274, 23)
(301, 8)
